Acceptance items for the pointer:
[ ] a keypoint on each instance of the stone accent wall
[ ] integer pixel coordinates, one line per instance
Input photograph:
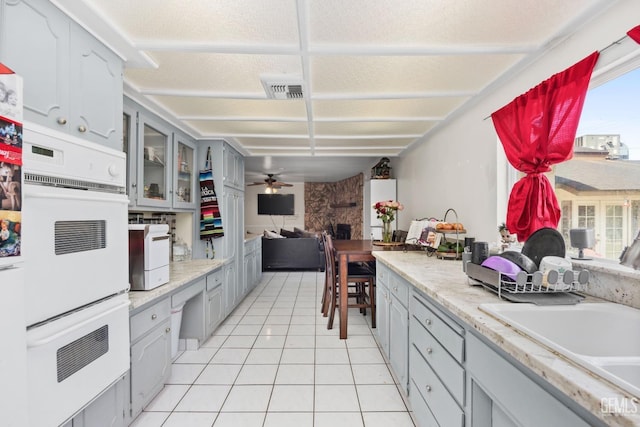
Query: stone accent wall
(330, 203)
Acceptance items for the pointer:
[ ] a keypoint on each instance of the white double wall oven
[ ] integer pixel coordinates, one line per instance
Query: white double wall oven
(76, 275)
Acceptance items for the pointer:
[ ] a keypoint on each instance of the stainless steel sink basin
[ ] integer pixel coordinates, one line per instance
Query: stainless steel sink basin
(602, 337)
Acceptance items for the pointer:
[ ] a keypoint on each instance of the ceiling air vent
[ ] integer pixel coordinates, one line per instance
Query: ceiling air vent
(282, 87)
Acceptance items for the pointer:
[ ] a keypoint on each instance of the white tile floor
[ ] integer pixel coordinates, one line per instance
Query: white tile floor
(274, 363)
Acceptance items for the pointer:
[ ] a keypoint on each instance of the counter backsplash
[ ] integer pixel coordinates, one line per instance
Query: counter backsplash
(612, 281)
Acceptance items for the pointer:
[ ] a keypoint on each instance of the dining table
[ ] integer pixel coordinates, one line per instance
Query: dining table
(347, 251)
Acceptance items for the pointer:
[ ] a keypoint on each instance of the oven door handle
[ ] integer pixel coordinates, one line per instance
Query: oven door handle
(38, 342)
(83, 197)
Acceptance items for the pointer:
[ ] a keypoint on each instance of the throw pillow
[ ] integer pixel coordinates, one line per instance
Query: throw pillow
(272, 235)
(289, 234)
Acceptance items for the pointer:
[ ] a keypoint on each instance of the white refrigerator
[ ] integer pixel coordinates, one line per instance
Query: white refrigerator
(380, 189)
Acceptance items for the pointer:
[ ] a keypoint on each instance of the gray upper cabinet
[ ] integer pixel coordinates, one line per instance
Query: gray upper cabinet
(35, 44)
(184, 172)
(129, 146)
(96, 92)
(162, 170)
(72, 82)
(154, 163)
(233, 168)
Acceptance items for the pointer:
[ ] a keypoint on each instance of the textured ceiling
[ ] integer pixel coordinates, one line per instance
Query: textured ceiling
(377, 75)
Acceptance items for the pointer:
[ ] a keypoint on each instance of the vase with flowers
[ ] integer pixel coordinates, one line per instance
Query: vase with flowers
(386, 212)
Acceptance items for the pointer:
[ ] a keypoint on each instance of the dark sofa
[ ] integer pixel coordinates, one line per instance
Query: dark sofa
(292, 253)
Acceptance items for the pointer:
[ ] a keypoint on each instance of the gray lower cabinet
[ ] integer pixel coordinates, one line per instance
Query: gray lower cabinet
(436, 361)
(150, 353)
(252, 263)
(214, 306)
(456, 378)
(392, 321)
(230, 284)
(502, 395)
(382, 310)
(398, 339)
(233, 223)
(72, 82)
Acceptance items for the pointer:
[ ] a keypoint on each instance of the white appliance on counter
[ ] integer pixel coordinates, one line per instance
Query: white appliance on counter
(148, 256)
(77, 307)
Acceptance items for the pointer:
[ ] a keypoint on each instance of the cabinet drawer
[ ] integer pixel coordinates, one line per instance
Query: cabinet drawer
(214, 279)
(399, 288)
(443, 331)
(147, 319)
(188, 292)
(448, 369)
(442, 405)
(421, 410)
(382, 274)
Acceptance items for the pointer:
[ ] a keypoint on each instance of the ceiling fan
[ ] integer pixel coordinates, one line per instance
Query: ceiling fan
(272, 184)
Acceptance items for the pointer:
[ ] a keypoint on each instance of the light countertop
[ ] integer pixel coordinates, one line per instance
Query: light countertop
(181, 273)
(445, 282)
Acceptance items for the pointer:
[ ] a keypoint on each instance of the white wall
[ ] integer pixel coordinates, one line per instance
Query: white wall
(256, 224)
(457, 167)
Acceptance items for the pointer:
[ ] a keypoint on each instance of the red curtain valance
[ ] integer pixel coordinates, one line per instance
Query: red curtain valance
(537, 129)
(634, 33)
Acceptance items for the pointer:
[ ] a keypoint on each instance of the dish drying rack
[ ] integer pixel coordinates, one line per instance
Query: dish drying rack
(551, 287)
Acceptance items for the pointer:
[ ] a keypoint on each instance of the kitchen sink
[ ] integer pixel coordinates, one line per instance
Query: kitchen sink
(602, 337)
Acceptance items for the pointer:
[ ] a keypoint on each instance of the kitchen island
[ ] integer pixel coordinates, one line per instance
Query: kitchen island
(442, 286)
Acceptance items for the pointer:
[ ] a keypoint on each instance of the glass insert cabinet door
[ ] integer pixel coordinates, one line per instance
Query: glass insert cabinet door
(184, 173)
(155, 164)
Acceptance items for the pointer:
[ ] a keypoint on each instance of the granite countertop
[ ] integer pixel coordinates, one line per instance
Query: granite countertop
(445, 282)
(181, 273)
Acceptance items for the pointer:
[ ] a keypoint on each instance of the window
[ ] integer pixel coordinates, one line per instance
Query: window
(599, 187)
(613, 231)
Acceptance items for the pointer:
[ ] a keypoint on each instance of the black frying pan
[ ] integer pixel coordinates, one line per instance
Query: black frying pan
(542, 243)
(521, 260)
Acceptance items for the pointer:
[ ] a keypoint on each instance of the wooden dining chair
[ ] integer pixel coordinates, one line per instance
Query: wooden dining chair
(331, 269)
(361, 284)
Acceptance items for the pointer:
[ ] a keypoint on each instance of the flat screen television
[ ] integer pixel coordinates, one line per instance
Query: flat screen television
(275, 204)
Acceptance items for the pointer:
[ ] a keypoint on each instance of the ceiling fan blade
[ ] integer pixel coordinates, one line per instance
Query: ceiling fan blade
(256, 183)
(282, 184)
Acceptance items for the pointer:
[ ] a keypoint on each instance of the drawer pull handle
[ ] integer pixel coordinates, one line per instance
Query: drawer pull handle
(61, 121)
(167, 330)
(428, 322)
(429, 350)
(82, 129)
(428, 388)
(154, 316)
